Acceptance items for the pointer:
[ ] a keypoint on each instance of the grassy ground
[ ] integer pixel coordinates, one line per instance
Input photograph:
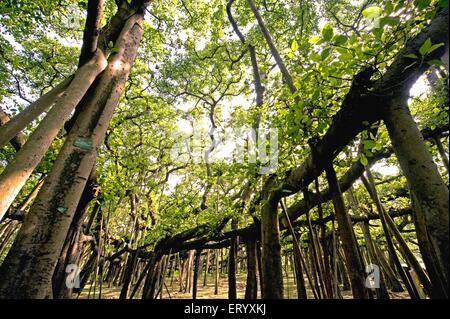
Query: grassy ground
(171, 291)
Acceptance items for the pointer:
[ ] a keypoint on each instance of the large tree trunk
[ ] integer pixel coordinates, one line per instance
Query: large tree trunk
(17, 172)
(18, 213)
(90, 37)
(429, 192)
(429, 256)
(272, 271)
(28, 268)
(74, 243)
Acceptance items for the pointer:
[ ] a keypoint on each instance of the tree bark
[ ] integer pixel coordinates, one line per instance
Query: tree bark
(16, 141)
(441, 151)
(429, 257)
(208, 257)
(14, 126)
(382, 292)
(216, 272)
(91, 30)
(298, 260)
(129, 268)
(17, 172)
(406, 251)
(251, 287)
(272, 271)
(390, 245)
(316, 257)
(74, 242)
(355, 268)
(323, 231)
(429, 192)
(284, 71)
(259, 259)
(151, 273)
(198, 253)
(232, 293)
(42, 235)
(431, 195)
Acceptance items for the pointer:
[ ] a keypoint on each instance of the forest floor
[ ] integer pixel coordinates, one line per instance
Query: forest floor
(171, 290)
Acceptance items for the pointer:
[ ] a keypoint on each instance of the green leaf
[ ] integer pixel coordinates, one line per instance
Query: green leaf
(378, 32)
(369, 144)
(325, 53)
(368, 153)
(315, 57)
(346, 55)
(343, 50)
(392, 21)
(314, 39)
(422, 4)
(363, 160)
(315, 95)
(411, 55)
(388, 7)
(340, 39)
(327, 32)
(294, 45)
(443, 3)
(399, 6)
(425, 47)
(434, 47)
(435, 62)
(372, 12)
(428, 47)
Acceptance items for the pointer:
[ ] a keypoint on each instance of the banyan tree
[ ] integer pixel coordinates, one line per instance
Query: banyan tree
(224, 149)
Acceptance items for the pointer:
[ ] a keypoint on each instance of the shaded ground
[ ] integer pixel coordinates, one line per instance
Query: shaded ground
(172, 287)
